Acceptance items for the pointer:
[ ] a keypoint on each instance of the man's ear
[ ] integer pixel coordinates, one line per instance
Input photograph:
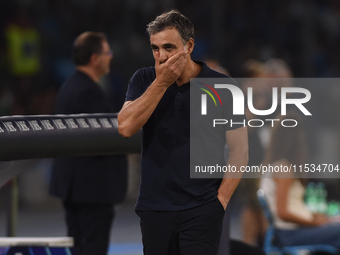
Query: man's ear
(190, 46)
(94, 58)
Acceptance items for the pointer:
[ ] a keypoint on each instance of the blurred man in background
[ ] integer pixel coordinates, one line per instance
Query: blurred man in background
(88, 186)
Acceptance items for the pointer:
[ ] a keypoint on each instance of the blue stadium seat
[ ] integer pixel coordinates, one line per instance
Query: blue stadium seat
(273, 246)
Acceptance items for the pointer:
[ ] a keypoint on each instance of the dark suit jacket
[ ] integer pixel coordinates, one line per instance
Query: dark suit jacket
(90, 179)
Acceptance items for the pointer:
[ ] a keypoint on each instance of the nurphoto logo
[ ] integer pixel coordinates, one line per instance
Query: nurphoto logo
(298, 97)
(239, 101)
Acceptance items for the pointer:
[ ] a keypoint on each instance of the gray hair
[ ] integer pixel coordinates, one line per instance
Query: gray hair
(172, 19)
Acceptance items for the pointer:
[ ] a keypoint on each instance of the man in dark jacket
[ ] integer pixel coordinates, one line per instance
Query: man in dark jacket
(89, 186)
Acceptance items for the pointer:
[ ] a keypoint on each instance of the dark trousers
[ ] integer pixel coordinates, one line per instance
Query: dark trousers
(187, 232)
(239, 248)
(89, 225)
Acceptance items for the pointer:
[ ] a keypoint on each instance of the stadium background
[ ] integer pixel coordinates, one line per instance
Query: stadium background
(304, 33)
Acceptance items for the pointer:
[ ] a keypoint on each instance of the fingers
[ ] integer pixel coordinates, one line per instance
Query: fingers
(169, 71)
(177, 58)
(179, 64)
(176, 63)
(180, 60)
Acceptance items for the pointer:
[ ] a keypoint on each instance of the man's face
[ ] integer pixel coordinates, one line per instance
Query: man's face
(105, 58)
(166, 44)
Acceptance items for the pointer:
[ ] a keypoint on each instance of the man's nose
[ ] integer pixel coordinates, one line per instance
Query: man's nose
(163, 56)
